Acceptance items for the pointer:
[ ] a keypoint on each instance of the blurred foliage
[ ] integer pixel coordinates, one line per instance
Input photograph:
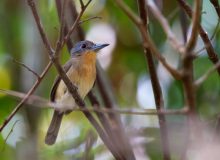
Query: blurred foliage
(128, 64)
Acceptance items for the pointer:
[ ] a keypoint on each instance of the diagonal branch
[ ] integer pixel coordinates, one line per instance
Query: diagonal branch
(83, 8)
(195, 27)
(158, 97)
(147, 41)
(164, 23)
(209, 48)
(40, 27)
(30, 92)
(28, 68)
(215, 3)
(206, 75)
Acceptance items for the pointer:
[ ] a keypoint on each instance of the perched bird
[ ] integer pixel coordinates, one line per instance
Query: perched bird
(81, 70)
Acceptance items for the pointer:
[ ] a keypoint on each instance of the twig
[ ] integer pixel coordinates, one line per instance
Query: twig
(195, 27)
(30, 92)
(210, 50)
(62, 20)
(215, 3)
(90, 140)
(40, 102)
(164, 23)
(172, 14)
(184, 24)
(206, 75)
(215, 31)
(83, 8)
(211, 38)
(158, 97)
(147, 41)
(10, 132)
(28, 68)
(88, 19)
(40, 27)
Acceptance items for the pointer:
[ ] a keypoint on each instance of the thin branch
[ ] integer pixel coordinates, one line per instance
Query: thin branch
(147, 41)
(206, 75)
(195, 27)
(210, 50)
(30, 92)
(215, 31)
(215, 3)
(28, 68)
(158, 97)
(40, 27)
(165, 25)
(88, 19)
(212, 37)
(172, 14)
(184, 24)
(10, 132)
(83, 8)
(62, 20)
(40, 102)
(188, 83)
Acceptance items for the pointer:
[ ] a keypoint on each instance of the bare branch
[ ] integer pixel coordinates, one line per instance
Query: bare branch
(210, 50)
(195, 27)
(40, 102)
(206, 75)
(148, 43)
(28, 68)
(10, 132)
(158, 96)
(81, 3)
(164, 23)
(188, 83)
(215, 3)
(83, 8)
(212, 37)
(62, 19)
(88, 19)
(40, 27)
(30, 92)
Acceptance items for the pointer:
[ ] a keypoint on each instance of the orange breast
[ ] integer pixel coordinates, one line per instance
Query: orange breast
(82, 75)
(87, 73)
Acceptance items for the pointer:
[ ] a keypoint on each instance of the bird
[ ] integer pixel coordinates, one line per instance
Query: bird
(81, 70)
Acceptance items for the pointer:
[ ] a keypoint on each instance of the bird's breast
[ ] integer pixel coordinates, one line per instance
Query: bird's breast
(82, 75)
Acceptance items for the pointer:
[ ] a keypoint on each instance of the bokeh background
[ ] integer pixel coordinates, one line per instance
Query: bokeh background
(125, 66)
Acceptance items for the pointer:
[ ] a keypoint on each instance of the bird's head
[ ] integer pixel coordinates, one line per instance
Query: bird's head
(86, 47)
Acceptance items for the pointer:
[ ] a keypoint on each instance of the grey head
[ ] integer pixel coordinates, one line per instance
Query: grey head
(83, 47)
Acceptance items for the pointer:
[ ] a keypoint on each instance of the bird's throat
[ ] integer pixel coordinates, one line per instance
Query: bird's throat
(89, 58)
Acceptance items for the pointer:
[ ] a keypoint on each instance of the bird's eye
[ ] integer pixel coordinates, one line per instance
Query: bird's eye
(83, 46)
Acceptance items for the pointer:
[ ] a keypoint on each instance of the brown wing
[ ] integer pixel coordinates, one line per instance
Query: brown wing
(66, 67)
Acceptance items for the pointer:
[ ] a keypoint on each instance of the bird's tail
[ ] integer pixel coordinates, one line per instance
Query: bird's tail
(54, 127)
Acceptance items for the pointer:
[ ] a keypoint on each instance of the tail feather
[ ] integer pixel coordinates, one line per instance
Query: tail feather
(54, 127)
